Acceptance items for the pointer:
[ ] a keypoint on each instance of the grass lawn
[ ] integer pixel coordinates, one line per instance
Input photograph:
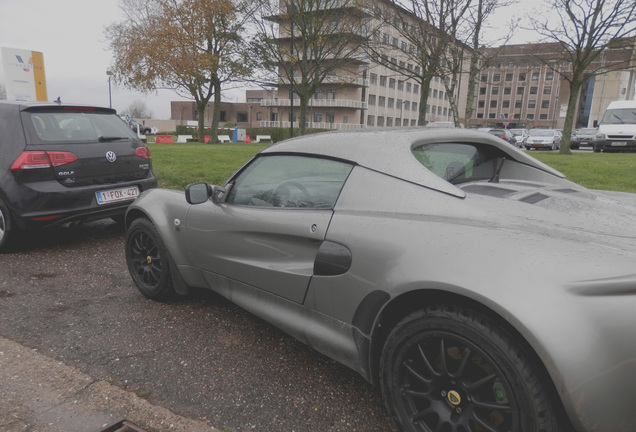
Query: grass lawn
(610, 171)
(177, 165)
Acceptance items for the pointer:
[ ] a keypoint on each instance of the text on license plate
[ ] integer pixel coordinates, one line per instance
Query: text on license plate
(618, 144)
(114, 195)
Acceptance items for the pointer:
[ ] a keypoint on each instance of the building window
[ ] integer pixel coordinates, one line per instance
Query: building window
(370, 120)
(317, 117)
(414, 106)
(400, 85)
(416, 88)
(491, 115)
(389, 121)
(380, 121)
(381, 101)
(533, 90)
(373, 78)
(505, 104)
(484, 78)
(494, 90)
(535, 76)
(481, 104)
(242, 117)
(496, 77)
(547, 90)
(392, 83)
(371, 99)
(522, 76)
(532, 104)
(530, 116)
(518, 104)
(521, 90)
(511, 64)
(482, 90)
(545, 104)
(480, 115)
(507, 90)
(543, 117)
(390, 103)
(549, 76)
(508, 77)
(259, 116)
(382, 81)
(493, 104)
(223, 116)
(331, 94)
(408, 87)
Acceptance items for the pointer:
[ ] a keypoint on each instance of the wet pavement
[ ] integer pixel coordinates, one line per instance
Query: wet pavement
(67, 299)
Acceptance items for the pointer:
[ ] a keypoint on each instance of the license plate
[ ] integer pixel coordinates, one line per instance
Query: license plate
(114, 195)
(618, 144)
(537, 143)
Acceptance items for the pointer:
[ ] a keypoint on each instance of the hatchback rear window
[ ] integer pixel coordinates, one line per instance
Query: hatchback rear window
(65, 126)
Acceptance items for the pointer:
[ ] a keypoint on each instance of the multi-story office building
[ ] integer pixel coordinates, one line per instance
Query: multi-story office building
(522, 86)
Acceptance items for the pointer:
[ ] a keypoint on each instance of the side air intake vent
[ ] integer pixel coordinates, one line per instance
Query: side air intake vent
(534, 198)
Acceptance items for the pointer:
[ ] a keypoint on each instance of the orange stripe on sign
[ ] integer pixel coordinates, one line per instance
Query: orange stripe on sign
(39, 77)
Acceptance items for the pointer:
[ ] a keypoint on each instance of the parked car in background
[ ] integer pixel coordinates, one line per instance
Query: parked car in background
(397, 253)
(139, 128)
(505, 135)
(63, 163)
(583, 136)
(442, 125)
(543, 139)
(521, 135)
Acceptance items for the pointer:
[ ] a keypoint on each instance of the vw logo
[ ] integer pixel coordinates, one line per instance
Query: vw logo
(110, 156)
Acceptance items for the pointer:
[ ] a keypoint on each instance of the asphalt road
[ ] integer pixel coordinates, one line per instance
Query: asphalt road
(66, 292)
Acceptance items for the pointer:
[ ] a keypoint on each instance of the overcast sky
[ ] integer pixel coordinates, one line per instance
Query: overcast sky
(70, 34)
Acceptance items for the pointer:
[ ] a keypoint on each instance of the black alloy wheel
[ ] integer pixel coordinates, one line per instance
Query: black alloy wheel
(148, 260)
(448, 369)
(5, 226)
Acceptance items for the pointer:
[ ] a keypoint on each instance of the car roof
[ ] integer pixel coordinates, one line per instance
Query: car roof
(24, 105)
(390, 151)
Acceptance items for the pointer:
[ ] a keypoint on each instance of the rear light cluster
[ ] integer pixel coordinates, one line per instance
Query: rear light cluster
(42, 159)
(142, 152)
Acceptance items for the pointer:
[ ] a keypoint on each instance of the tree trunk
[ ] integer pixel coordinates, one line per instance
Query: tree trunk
(573, 101)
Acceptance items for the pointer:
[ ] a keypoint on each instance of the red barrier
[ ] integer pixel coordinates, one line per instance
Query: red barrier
(163, 139)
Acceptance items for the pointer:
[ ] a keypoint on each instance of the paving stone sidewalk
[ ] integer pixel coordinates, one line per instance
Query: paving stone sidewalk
(39, 394)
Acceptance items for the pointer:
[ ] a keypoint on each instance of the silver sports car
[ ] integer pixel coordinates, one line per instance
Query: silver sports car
(475, 286)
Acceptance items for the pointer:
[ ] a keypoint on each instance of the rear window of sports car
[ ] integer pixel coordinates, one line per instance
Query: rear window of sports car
(458, 162)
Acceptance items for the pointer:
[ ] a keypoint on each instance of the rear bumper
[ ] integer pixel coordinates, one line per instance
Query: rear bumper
(46, 204)
(614, 145)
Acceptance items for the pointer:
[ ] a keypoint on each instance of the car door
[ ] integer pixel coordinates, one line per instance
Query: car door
(268, 229)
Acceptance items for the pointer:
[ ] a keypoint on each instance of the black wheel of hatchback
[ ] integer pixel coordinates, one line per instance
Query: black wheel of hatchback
(148, 260)
(449, 368)
(6, 227)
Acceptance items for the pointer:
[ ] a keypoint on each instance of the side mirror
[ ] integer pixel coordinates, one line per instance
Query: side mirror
(197, 193)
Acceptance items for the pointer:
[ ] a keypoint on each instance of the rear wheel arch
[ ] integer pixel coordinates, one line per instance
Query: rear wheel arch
(400, 307)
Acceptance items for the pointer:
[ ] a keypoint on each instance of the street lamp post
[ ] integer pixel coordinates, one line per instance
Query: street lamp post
(291, 9)
(110, 99)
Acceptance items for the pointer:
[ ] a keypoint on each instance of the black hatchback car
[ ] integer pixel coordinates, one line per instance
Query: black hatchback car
(63, 163)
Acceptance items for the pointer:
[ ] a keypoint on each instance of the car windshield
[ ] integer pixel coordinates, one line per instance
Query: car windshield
(459, 163)
(586, 132)
(65, 126)
(542, 133)
(620, 116)
(516, 132)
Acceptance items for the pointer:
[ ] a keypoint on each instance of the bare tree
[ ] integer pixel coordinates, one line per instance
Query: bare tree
(587, 30)
(138, 110)
(192, 47)
(305, 43)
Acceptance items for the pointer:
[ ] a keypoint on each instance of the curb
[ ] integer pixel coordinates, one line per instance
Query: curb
(39, 394)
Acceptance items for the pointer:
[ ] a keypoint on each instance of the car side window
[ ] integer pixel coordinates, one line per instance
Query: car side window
(289, 181)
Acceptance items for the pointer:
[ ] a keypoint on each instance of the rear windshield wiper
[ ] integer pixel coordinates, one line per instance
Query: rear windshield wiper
(111, 138)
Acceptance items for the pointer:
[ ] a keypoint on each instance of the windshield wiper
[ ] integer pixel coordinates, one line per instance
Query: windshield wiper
(495, 178)
(111, 138)
(618, 118)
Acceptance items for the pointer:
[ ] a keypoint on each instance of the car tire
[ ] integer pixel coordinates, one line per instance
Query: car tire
(452, 368)
(148, 261)
(6, 226)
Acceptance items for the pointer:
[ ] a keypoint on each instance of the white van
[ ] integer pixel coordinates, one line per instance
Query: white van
(617, 129)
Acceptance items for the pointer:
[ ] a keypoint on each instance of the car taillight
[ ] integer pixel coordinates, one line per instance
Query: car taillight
(143, 152)
(42, 159)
